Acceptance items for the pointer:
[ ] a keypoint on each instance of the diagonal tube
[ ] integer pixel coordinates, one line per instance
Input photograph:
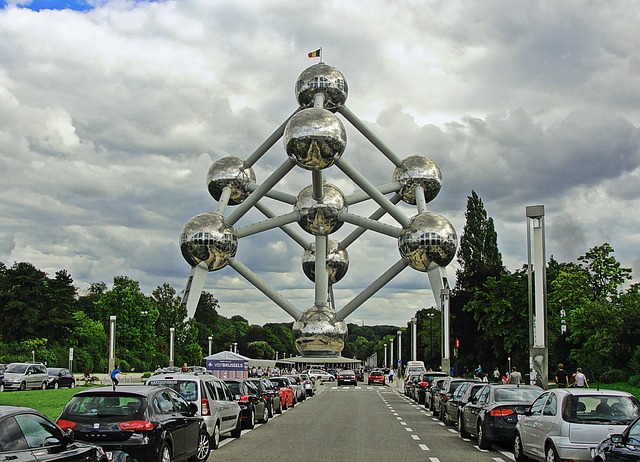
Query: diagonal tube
(264, 147)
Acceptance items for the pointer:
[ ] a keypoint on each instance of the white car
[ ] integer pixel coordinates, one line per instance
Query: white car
(569, 423)
(320, 374)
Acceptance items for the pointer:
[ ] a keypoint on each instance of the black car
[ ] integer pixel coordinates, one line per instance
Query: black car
(623, 447)
(493, 413)
(251, 402)
(347, 377)
(431, 391)
(422, 384)
(445, 392)
(60, 377)
(27, 435)
(359, 375)
(410, 385)
(463, 394)
(144, 423)
(269, 393)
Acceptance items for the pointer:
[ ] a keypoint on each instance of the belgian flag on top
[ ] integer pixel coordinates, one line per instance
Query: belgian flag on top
(316, 54)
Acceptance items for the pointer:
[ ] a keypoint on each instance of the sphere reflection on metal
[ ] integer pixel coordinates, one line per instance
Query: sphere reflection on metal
(206, 238)
(319, 333)
(321, 78)
(337, 262)
(320, 218)
(429, 238)
(232, 172)
(315, 138)
(418, 171)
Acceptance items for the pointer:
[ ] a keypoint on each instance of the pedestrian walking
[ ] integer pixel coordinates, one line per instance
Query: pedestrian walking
(496, 375)
(515, 377)
(562, 377)
(580, 380)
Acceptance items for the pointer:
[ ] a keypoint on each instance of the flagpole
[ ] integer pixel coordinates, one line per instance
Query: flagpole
(321, 61)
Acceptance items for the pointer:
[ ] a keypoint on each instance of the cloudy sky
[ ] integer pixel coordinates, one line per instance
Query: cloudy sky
(111, 113)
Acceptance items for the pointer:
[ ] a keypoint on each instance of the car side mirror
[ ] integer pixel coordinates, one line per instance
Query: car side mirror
(617, 439)
(193, 408)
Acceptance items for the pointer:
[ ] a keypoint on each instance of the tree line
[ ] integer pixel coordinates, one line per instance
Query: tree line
(593, 317)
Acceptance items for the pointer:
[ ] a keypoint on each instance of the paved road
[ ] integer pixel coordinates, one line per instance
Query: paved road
(358, 424)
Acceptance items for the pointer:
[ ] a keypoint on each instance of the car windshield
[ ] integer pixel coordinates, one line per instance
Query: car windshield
(527, 395)
(53, 371)
(188, 389)
(600, 409)
(128, 406)
(280, 382)
(16, 368)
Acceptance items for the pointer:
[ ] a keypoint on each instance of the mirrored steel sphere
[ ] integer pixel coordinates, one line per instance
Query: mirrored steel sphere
(320, 218)
(232, 172)
(207, 238)
(324, 79)
(429, 238)
(315, 138)
(418, 171)
(337, 262)
(319, 333)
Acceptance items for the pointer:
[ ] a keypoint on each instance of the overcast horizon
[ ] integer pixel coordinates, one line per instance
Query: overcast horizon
(111, 113)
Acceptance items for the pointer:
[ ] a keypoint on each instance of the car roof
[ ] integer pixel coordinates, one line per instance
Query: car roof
(182, 376)
(145, 390)
(6, 410)
(590, 392)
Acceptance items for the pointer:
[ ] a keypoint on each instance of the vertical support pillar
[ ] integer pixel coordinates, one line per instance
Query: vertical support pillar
(210, 340)
(414, 339)
(446, 348)
(112, 342)
(399, 353)
(391, 364)
(538, 347)
(385, 364)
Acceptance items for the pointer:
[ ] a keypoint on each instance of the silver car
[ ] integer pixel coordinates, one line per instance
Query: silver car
(215, 402)
(26, 375)
(569, 423)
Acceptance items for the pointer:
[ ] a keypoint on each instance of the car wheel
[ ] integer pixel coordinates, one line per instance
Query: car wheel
(73, 384)
(56, 385)
(271, 410)
(293, 402)
(215, 438)
(446, 419)
(165, 453)
(552, 455)
(483, 441)
(463, 433)
(517, 449)
(285, 406)
(1, 387)
(434, 411)
(251, 421)
(43, 386)
(279, 410)
(23, 386)
(265, 414)
(237, 432)
(204, 448)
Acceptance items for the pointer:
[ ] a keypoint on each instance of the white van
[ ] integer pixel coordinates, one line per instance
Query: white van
(414, 367)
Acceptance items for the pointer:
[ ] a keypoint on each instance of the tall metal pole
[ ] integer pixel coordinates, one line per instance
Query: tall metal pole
(391, 365)
(172, 333)
(399, 352)
(385, 364)
(112, 342)
(414, 339)
(446, 348)
(210, 340)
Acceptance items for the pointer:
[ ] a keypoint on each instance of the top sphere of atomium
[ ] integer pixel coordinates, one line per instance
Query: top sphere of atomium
(320, 217)
(206, 238)
(315, 138)
(233, 173)
(429, 238)
(323, 79)
(418, 171)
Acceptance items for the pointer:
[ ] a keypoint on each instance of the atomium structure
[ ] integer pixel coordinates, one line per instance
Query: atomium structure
(315, 140)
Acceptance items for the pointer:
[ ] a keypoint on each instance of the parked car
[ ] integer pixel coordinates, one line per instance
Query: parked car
(376, 377)
(283, 386)
(138, 422)
(493, 413)
(320, 374)
(410, 383)
(568, 423)
(252, 404)
(463, 394)
(308, 384)
(422, 384)
(445, 392)
(432, 390)
(269, 393)
(298, 388)
(213, 399)
(2, 368)
(359, 375)
(60, 377)
(25, 375)
(347, 377)
(620, 447)
(27, 435)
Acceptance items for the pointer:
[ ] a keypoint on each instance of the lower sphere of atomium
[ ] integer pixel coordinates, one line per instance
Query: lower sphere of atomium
(418, 171)
(233, 173)
(429, 238)
(320, 218)
(315, 138)
(319, 332)
(337, 262)
(321, 78)
(206, 238)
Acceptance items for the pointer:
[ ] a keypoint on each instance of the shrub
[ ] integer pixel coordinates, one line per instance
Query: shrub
(634, 380)
(613, 375)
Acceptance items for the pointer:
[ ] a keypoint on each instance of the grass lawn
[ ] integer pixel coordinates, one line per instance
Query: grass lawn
(49, 402)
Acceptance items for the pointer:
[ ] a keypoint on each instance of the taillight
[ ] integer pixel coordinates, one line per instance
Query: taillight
(501, 412)
(204, 405)
(136, 425)
(66, 424)
(266, 397)
(424, 384)
(244, 399)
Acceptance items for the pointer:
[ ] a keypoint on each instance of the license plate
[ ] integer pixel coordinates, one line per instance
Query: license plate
(109, 455)
(520, 416)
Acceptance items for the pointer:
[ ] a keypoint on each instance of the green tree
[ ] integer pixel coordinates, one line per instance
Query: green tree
(260, 350)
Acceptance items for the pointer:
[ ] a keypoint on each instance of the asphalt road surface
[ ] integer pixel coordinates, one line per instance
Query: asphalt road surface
(361, 424)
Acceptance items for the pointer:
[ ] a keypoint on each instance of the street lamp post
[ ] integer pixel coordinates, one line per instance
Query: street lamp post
(112, 342)
(399, 352)
(210, 340)
(431, 315)
(172, 334)
(414, 340)
(385, 356)
(391, 354)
